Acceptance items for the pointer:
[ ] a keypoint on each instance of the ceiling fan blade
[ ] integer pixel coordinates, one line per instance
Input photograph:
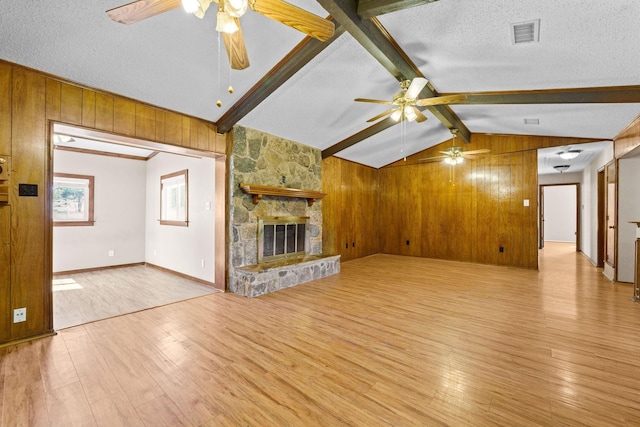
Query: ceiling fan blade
(481, 151)
(236, 49)
(375, 101)
(381, 115)
(138, 10)
(432, 159)
(439, 100)
(416, 86)
(419, 116)
(294, 17)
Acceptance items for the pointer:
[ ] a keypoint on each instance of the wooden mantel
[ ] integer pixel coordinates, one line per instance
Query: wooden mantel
(266, 190)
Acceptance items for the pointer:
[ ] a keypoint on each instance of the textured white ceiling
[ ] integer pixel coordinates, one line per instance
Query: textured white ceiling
(171, 60)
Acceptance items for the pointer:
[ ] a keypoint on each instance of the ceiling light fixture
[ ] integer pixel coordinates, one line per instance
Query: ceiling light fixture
(236, 8)
(569, 154)
(561, 168)
(190, 6)
(225, 23)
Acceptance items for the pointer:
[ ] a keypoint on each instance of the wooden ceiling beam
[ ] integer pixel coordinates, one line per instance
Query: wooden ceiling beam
(370, 8)
(360, 136)
(590, 95)
(371, 35)
(300, 56)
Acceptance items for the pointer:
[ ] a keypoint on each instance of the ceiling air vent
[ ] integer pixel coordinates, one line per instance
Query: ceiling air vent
(531, 121)
(525, 32)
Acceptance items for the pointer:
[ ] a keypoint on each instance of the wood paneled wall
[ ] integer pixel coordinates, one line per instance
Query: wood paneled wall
(350, 209)
(29, 102)
(465, 213)
(628, 139)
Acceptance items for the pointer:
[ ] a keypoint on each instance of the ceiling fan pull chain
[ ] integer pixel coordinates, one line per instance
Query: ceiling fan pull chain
(219, 101)
(230, 89)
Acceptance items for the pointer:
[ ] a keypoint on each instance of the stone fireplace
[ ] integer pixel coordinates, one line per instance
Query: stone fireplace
(269, 161)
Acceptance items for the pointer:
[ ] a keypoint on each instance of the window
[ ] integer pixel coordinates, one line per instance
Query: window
(174, 199)
(72, 199)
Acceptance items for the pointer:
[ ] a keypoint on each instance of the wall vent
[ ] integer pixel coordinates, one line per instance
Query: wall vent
(525, 32)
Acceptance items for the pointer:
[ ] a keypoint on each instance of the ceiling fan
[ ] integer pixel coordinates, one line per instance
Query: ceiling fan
(406, 100)
(455, 154)
(228, 22)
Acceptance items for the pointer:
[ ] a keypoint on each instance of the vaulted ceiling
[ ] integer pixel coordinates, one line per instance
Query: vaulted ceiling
(580, 79)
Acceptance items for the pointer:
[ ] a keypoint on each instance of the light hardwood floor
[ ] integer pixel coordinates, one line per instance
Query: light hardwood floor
(80, 298)
(390, 341)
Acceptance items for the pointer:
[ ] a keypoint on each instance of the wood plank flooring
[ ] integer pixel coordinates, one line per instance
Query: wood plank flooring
(80, 298)
(390, 341)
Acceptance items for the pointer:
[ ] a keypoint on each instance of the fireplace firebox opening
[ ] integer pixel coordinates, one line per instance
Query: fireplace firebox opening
(282, 238)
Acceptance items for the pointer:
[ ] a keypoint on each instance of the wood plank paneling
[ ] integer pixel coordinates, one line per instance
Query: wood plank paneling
(466, 212)
(331, 206)
(350, 209)
(88, 108)
(71, 104)
(104, 112)
(54, 101)
(29, 237)
(5, 273)
(173, 128)
(628, 139)
(5, 109)
(124, 116)
(145, 122)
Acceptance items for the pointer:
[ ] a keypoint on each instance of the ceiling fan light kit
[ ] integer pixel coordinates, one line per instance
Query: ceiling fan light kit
(227, 23)
(406, 101)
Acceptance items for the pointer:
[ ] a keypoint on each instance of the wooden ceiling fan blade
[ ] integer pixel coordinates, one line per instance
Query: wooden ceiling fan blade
(416, 86)
(236, 49)
(481, 151)
(381, 115)
(432, 159)
(439, 100)
(375, 101)
(294, 17)
(142, 9)
(420, 117)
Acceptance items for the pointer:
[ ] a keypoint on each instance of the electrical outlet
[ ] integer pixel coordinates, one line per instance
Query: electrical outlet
(202, 262)
(501, 249)
(111, 252)
(20, 315)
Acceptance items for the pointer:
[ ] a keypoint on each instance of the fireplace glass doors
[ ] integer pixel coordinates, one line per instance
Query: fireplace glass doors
(282, 237)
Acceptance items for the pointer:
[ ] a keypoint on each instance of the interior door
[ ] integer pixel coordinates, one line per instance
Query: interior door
(610, 214)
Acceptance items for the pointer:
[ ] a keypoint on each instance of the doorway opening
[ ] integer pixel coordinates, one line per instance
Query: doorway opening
(111, 254)
(560, 214)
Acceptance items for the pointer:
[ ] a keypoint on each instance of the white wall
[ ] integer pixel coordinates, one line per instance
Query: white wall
(119, 210)
(628, 210)
(560, 213)
(182, 249)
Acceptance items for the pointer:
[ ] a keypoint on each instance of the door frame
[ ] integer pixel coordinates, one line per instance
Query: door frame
(602, 220)
(578, 216)
(613, 267)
